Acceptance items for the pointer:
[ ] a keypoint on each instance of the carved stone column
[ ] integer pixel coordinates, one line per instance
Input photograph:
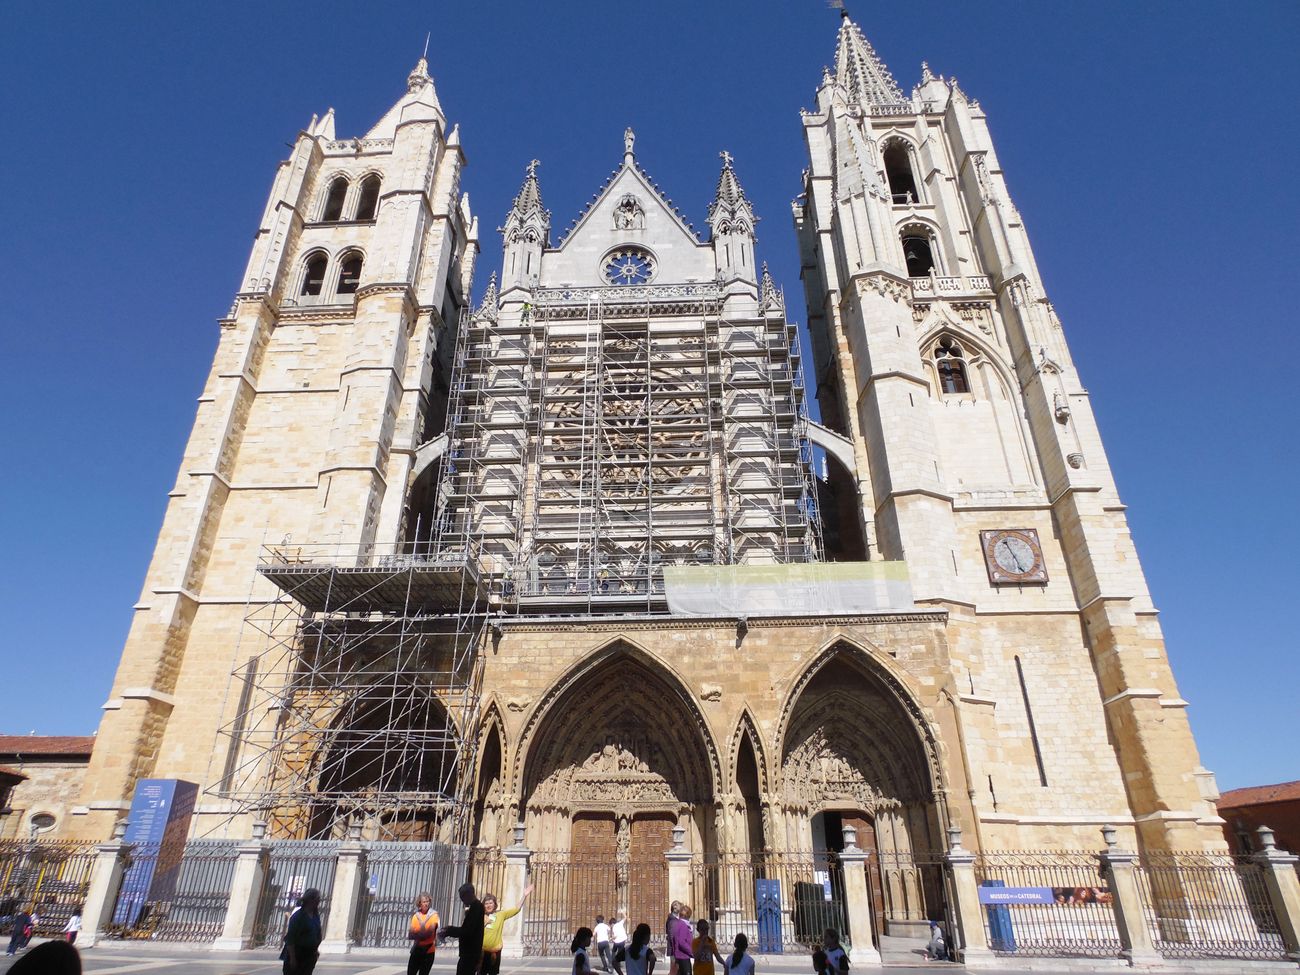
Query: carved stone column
(245, 892)
(1283, 889)
(679, 868)
(349, 871)
(517, 856)
(857, 899)
(1119, 868)
(970, 939)
(105, 882)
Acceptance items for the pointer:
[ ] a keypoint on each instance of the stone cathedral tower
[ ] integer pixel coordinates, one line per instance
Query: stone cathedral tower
(971, 453)
(559, 561)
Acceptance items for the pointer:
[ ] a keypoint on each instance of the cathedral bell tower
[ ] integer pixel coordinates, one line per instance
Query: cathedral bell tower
(976, 456)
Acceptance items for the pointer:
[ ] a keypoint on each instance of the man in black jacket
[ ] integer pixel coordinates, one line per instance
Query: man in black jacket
(469, 950)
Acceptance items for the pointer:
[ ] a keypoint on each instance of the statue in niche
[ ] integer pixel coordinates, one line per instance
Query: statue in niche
(628, 214)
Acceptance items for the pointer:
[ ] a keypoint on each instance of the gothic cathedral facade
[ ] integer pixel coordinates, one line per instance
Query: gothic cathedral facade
(562, 559)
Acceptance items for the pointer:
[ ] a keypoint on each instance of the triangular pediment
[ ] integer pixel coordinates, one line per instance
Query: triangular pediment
(657, 216)
(629, 211)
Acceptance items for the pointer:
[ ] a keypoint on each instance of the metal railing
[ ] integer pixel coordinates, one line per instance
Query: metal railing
(1208, 905)
(1073, 915)
(47, 877)
(779, 901)
(166, 900)
(568, 892)
(292, 867)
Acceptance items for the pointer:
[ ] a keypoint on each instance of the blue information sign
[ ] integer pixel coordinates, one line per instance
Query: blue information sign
(156, 828)
(1016, 895)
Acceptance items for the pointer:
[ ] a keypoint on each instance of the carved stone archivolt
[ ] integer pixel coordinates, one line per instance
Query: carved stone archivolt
(622, 739)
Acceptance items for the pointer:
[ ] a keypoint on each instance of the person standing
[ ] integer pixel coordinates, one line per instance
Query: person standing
(302, 939)
(22, 921)
(618, 940)
(640, 958)
(581, 959)
(836, 956)
(494, 924)
(469, 949)
(738, 962)
(602, 942)
(423, 933)
(679, 942)
(704, 950)
(73, 927)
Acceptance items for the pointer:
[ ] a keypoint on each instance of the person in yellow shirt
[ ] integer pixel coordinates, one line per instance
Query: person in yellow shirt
(424, 932)
(494, 931)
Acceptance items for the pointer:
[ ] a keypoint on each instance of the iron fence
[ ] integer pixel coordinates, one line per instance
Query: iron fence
(162, 898)
(1208, 905)
(396, 873)
(47, 877)
(569, 891)
(292, 867)
(1062, 908)
(779, 901)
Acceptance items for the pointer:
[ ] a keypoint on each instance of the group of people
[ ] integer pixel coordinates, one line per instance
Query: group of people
(480, 935)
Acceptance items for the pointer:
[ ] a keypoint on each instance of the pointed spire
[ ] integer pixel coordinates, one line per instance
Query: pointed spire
(529, 197)
(860, 72)
(769, 295)
(487, 308)
(419, 76)
(730, 208)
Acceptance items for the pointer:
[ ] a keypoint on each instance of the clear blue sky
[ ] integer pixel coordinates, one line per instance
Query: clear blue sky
(1150, 147)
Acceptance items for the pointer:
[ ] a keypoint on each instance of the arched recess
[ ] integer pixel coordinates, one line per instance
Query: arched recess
(857, 748)
(844, 536)
(983, 440)
(619, 742)
(390, 759)
(744, 810)
(490, 802)
(421, 510)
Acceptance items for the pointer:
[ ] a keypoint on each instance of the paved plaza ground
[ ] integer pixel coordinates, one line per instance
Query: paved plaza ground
(117, 958)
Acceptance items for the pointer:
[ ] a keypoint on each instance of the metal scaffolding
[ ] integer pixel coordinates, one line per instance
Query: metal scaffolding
(592, 440)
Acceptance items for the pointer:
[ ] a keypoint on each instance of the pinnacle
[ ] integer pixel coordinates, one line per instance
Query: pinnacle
(730, 194)
(860, 71)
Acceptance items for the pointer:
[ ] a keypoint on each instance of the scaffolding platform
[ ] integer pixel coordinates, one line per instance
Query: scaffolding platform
(416, 583)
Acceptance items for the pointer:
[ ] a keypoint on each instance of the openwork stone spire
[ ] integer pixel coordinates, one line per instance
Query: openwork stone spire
(860, 72)
(769, 295)
(527, 217)
(730, 211)
(487, 308)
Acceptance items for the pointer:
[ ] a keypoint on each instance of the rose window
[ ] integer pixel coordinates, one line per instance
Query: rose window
(629, 265)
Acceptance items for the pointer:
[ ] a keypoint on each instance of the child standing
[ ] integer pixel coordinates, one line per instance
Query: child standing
(703, 950)
(836, 957)
(739, 963)
(581, 960)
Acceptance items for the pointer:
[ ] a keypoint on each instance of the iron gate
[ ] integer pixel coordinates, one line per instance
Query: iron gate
(292, 867)
(184, 901)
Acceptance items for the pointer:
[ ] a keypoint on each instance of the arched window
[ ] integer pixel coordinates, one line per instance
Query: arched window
(951, 365)
(918, 251)
(349, 275)
(368, 201)
(898, 170)
(314, 280)
(338, 192)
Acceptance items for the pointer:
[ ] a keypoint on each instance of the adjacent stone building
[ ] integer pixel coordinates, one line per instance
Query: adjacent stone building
(44, 774)
(560, 560)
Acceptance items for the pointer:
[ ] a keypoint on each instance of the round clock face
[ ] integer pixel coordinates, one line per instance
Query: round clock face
(629, 265)
(1013, 555)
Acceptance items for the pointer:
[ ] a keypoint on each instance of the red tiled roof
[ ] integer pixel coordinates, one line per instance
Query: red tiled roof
(33, 745)
(5, 770)
(1256, 795)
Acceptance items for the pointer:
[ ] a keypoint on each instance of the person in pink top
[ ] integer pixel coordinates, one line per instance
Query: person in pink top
(679, 942)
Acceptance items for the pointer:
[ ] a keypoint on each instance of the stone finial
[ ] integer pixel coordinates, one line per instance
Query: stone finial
(679, 838)
(954, 840)
(419, 76)
(119, 830)
(629, 144)
(1267, 841)
(259, 829)
(926, 74)
(850, 839)
(354, 831)
(518, 831)
(1110, 835)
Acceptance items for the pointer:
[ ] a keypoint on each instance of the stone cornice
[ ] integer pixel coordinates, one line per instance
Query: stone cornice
(616, 623)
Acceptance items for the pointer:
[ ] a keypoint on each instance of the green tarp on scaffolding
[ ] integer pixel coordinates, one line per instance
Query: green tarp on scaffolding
(797, 589)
